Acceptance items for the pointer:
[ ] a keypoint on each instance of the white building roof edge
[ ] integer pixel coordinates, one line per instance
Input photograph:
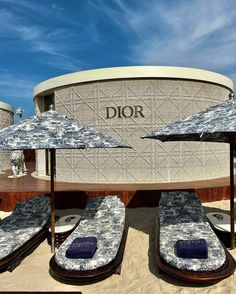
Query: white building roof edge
(6, 106)
(129, 72)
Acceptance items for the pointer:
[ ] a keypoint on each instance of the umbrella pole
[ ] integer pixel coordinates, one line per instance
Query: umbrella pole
(52, 167)
(232, 234)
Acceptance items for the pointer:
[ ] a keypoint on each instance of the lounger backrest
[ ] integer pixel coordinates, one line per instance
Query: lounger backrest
(28, 218)
(180, 206)
(36, 208)
(104, 203)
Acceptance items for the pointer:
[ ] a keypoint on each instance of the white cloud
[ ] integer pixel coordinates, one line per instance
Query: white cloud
(179, 33)
(16, 86)
(65, 63)
(56, 40)
(34, 9)
(57, 7)
(35, 37)
(17, 90)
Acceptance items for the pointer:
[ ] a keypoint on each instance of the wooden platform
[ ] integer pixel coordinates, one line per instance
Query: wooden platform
(74, 195)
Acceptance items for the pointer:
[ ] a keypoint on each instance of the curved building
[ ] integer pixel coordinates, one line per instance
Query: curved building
(127, 102)
(6, 119)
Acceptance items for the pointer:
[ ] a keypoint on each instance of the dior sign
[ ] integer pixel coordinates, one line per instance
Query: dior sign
(124, 111)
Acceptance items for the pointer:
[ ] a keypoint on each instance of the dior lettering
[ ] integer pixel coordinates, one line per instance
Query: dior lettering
(124, 111)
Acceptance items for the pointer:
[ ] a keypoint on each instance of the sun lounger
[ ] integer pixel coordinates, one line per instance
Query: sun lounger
(23, 231)
(181, 217)
(104, 220)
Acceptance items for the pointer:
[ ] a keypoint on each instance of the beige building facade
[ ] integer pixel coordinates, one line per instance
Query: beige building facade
(127, 102)
(6, 119)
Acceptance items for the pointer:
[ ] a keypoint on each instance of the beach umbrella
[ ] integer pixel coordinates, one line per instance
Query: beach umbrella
(214, 124)
(51, 130)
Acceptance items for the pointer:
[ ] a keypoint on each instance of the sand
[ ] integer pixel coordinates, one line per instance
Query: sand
(138, 274)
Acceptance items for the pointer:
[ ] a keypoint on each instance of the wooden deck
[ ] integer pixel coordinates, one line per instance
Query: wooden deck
(75, 194)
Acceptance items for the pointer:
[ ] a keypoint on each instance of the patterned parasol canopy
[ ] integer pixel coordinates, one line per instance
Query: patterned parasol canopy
(51, 130)
(214, 124)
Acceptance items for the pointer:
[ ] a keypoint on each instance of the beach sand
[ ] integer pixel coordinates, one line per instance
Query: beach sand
(139, 272)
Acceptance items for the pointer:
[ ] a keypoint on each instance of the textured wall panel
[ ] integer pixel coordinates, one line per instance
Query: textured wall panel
(150, 161)
(6, 119)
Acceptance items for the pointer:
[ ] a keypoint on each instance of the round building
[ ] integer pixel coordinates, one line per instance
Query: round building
(127, 102)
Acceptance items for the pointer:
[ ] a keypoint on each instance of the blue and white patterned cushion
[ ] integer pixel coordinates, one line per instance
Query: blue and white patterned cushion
(27, 219)
(103, 218)
(182, 218)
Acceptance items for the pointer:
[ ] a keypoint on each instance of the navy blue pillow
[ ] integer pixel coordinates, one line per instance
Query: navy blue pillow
(192, 249)
(83, 247)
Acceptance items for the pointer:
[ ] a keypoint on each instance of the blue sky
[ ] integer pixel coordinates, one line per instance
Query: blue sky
(43, 39)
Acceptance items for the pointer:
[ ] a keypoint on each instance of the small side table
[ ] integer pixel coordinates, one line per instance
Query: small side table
(64, 226)
(221, 225)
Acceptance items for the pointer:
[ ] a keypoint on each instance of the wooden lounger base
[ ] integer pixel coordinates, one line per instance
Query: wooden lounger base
(210, 277)
(89, 276)
(10, 262)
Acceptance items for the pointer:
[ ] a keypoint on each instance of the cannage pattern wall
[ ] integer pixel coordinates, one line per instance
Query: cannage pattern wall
(127, 109)
(6, 119)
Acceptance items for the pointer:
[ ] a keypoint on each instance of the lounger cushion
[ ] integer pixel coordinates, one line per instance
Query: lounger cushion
(27, 219)
(182, 217)
(103, 218)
